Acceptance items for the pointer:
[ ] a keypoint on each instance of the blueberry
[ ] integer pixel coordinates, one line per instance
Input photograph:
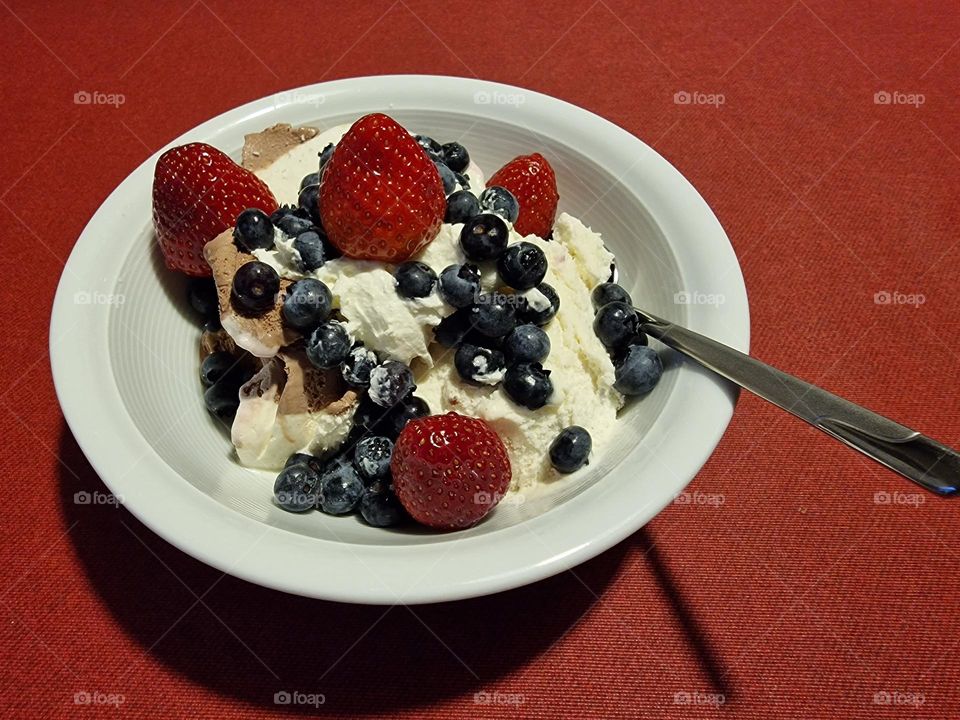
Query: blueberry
(460, 284)
(357, 366)
(484, 237)
(213, 325)
(455, 156)
(528, 384)
(452, 329)
(409, 409)
(526, 343)
(608, 292)
(369, 419)
(522, 265)
(311, 179)
(390, 383)
(414, 279)
(380, 507)
(639, 371)
(463, 180)
(479, 365)
(615, 324)
(447, 176)
(372, 456)
(304, 459)
(202, 293)
(570, 449)
(215, 366)
(500, 201)
(291, 220)
(255, 288)
(222, 399)
(308, 303)
(309, 200)
(428, 143)
(253, 230)
(461, 206)
(325, 156)
(494, 315)
(540, 305)
(328, 345)
(297, 488)
(312, 248)
(340, 487)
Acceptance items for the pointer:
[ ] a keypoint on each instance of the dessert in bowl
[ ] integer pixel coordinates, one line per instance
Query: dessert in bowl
(174, 464)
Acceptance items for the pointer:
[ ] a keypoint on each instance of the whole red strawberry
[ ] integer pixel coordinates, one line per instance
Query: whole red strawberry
(449, 470)
(533, 182)
(197, 194)
(381, 197)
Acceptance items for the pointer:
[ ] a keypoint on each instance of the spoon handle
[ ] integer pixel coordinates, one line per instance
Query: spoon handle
(915, 456)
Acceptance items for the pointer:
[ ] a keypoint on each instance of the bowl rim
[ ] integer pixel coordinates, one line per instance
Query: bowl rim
(578, 529)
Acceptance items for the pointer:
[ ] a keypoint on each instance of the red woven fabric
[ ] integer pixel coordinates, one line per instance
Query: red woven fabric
(801, 594)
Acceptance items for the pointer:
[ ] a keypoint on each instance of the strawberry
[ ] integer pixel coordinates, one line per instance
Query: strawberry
(381, 197)
(533, 182)
(449, 470)
(197, 194)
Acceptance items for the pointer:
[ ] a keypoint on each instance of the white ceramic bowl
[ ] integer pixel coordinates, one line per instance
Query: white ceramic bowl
(123, 347)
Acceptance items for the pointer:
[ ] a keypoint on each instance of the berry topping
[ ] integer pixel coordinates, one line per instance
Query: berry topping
(370, 419)
(328, 345)
(202, 293)
(615, 324)
(522, 265)
(449, 470)
(297, 488)
(528, 384)
(526, 343)
(311, 179)
(255, 288)
(484, 237)
(479, 365)
(539, 306)
(494, 315)
(309, 201)
(463, 180)
(461, 206)
(325, 156)
(308, 303)
(428, 144)
(639, 371)
(390, 383)
(215, 367)
(358, 365)
(415, 279)
(301, 458)
(222, 399)
(291, 220)
(570, 449)
(460, 284)
(313, 250)
(452, 329)
(253, 230)
(380, 507)
(500, 201)
(372, 456)
(409, 409)
(198, 192)
(381, 196)
(608, 292)
(455, 156)
(448, 177)
(340, 487)
(534, 184)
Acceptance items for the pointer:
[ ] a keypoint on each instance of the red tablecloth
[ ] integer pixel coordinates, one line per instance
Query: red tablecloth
(808, 588)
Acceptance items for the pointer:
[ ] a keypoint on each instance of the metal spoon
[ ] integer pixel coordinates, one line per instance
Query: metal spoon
(915, 456)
